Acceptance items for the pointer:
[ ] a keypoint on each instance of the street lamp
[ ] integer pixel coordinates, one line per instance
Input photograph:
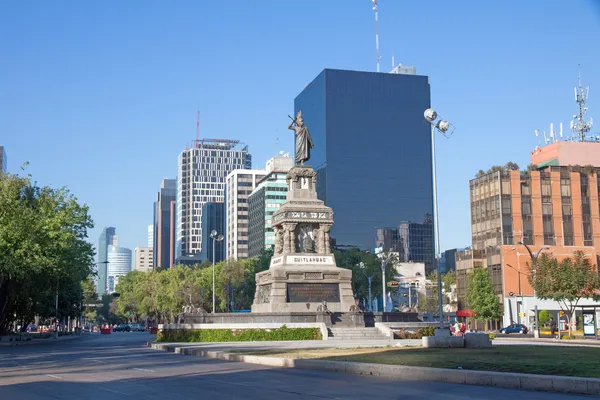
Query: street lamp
(369, 279)
(216, 237)
(445, 128)
(384, 263)
(534, 257)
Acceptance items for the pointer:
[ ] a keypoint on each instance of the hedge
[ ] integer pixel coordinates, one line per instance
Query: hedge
(238, 335)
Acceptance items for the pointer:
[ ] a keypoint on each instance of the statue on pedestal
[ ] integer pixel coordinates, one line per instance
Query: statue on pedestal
(303, 140)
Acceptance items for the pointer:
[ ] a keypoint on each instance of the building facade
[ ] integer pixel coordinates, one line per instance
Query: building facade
(151, 236)
(554, 210)
(164, 225)
(201, 177)
(3, 161)
(239, 185)
(119, 264)
(411, 240)
(107, 238)
(264, 200)
(142, 259)
(372, 151)
(213, 219)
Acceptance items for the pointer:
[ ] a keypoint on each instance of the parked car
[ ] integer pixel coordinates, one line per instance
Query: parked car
(515, 328)
(122, 328)
(138, 328)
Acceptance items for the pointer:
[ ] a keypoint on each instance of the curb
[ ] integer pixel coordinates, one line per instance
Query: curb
(509, 380)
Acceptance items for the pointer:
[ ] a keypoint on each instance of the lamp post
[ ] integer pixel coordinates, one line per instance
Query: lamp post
(216, 237)
(369, 279)
(534, 257)
(384, 264)
(445, 128)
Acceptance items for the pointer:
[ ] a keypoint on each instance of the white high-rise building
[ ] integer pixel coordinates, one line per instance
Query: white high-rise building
(151, 236)
(239, 184)
(119, 264)
(142, 259)
(201, 173)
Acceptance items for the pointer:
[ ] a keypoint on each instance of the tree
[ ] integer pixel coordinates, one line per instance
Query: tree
(365, 264)
(544, 317)
(43, 251)
(566, 281)
(481, 298)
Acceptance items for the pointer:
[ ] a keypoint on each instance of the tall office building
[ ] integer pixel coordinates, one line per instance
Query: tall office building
(411, 240)
(2, 159)
(239, 185)
(151, 236)
(372, 151)
(201, 177)
(119, 264)
(264, 200)
(107, 238)
(142, 259)
(213, 219)
(164, 225)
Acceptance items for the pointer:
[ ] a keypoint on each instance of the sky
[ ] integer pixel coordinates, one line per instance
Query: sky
(102, 96)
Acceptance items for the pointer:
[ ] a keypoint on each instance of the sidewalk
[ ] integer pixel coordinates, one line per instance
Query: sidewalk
(5, 342)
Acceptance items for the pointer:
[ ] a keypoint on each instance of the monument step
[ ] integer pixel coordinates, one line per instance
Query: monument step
(356, 334)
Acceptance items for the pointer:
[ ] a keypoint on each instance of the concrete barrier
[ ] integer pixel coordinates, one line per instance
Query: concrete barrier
(443, 341)
(477, 340)
(545, 383)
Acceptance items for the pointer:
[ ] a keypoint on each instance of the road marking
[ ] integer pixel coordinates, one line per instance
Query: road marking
(144, 370)
(114, 391)
(54, 376)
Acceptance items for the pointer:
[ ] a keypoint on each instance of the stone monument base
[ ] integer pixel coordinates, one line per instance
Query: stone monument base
(304, 282)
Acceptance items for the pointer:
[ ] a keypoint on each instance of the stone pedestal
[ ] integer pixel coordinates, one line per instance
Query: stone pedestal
(303, 275)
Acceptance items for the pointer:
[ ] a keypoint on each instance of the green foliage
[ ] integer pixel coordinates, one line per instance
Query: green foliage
(365, 264)
(481, 297)
(404, 334)
(238, 335)
(543, 317)
(161, 295)
(566, 281)
(426, 331)
(43, 250)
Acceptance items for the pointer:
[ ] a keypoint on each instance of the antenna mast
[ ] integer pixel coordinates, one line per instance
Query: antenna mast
(580, 126)
(198, 129)
(376, 33)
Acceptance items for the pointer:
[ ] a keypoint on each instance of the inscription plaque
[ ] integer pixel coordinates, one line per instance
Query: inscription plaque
(313, 292)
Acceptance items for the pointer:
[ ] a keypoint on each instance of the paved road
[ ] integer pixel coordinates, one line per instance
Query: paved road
(119, 366)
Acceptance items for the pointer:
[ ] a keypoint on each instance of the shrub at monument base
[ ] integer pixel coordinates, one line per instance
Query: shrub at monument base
(238, 335)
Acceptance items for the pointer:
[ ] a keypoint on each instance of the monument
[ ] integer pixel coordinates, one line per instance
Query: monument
(303, 275)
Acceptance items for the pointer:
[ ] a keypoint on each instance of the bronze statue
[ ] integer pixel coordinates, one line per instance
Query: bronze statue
(303, 140)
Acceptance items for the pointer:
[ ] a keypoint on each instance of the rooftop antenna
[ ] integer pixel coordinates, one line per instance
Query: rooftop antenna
(393, 61)
(545, 138)
(537, 135)
(560, 131)
(552, 135)
(198, 129)
(580, 126)
(376, 33)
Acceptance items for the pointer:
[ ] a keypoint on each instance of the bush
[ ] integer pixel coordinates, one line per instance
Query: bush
(543, 317)
(427, 331)
(238, 335)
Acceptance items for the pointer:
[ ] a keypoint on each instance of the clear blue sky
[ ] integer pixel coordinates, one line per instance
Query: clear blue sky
(102, 96)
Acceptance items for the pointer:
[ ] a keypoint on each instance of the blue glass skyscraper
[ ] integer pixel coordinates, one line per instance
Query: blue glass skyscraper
(372, 152)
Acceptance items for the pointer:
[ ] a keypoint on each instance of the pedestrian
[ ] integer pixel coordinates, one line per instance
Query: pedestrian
(552, 327)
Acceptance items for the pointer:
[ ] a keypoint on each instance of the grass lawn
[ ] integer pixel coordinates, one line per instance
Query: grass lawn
(546, 360)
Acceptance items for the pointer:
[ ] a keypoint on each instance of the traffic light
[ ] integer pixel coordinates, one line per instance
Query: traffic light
(561, 313)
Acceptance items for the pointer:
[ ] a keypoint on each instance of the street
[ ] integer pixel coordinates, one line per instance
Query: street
(103, 366)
